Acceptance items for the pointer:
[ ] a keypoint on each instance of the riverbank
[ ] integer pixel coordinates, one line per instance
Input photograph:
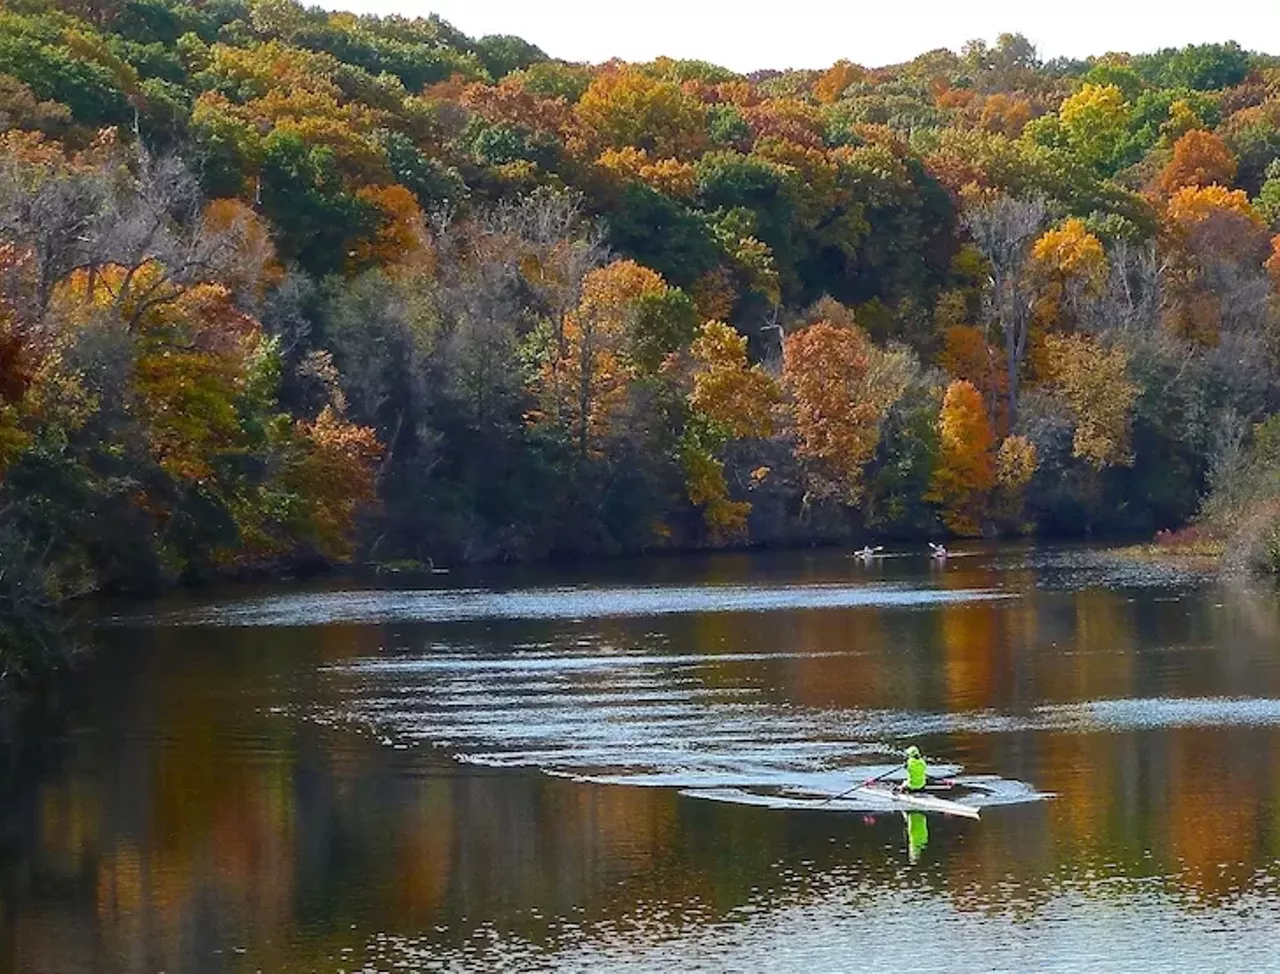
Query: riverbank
(1248, 547)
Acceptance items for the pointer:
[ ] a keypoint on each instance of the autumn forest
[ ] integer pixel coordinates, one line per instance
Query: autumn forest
(282, 288)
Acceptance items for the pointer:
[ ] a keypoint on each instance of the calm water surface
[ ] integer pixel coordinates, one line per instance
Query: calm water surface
(620, 768)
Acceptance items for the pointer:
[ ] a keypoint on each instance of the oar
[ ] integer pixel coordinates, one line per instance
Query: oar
(856, 787)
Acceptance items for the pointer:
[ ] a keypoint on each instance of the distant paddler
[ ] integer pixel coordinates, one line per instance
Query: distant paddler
(938, 551)
(866, 552)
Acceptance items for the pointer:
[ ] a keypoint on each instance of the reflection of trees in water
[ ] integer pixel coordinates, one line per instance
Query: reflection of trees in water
(491, 849)
(192, 819)
(1215, 835)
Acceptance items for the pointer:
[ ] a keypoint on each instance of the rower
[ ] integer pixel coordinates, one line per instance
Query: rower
(939, 551)
(917, 771)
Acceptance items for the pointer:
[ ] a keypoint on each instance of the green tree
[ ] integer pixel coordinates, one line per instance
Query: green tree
(317, 221)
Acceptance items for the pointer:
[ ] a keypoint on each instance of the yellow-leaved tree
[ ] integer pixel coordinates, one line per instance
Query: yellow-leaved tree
(1092, 381)
(1095, 120)
(731, 399)
(1068, 266)
(625, 106)
(1016, 463)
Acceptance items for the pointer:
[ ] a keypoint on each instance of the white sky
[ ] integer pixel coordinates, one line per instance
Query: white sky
(749, 34)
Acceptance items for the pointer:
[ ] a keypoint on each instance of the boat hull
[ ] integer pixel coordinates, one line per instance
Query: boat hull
(925, 803)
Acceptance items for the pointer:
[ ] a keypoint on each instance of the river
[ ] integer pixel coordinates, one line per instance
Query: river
(619, 767)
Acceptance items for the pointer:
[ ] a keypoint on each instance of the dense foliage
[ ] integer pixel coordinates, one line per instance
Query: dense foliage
(284, 286)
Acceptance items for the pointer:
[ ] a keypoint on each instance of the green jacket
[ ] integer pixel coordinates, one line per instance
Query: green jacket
(917, 773)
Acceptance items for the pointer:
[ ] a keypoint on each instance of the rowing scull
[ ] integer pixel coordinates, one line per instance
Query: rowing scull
(925, 803)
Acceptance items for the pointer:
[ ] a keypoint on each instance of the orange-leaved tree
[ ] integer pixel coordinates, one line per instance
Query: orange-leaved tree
(400, 238)
(1200, 158)
(1213, 240)
(966, 354)
(1273, 264)
(832, 82)
(966, 470)
(332, 472)
(584, 379)
(249, 265)
(840, 387)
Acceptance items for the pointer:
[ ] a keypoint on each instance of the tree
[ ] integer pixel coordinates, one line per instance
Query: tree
(1204, 67)
(19, 358)
(401, 234)
(1267, 202)
(1068, 267)
(966, 470)
(1215, 244)
(728, 391)
(1004, 229)
(249, 267)
(627, 107)
(840, 387)
(1093, 383)
(1273, 263)
(1217, 217)
(833, 82)
(655, 230)
(662, 323)
(501, 54)
(21, 108)
(584, 380)
(670, 176)
(317, 221)
(730, 399)
(1016, 463)
(1199, 159)
(1253, 135)
(77, 71)
(331, 470)
(966, 354)
(1096, 120)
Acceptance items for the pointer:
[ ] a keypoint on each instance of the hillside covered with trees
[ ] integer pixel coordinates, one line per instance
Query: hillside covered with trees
(282, 286)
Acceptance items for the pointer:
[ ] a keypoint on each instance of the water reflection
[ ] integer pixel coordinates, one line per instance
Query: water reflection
(917, 830)
(225, 799)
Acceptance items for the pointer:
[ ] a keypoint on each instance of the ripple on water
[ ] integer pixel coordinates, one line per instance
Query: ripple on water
(847, 922)
(681, 720)
(642, 718)
(463, 605)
